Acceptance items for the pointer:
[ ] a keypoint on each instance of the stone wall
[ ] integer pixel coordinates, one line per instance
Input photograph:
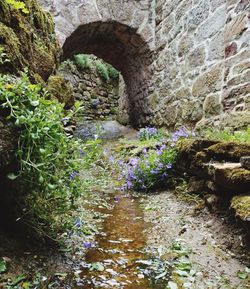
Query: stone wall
(199, 50)
(98, 94)
(202, 64)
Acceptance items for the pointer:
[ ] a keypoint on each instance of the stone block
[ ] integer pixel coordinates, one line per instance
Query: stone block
(212, 105)
(192, 111)
(235, 27)
(216, 47)
(212, 25)
(185, 45)
(231, 49)
(208, 82)
(197, 15)
(182, 9)
(196, 58)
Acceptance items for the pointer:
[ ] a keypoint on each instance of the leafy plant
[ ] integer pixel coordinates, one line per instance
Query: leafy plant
(154, 166)
(83, 61)
(18, 5)
(112, 72)
(49, 161)
(2, 266)
(102, 70)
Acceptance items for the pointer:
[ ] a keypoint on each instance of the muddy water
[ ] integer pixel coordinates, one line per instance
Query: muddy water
(118, 249)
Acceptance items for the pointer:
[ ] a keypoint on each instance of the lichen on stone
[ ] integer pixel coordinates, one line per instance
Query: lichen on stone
(241, 205)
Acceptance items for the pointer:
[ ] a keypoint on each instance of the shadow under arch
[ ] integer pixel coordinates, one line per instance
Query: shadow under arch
(125, 49)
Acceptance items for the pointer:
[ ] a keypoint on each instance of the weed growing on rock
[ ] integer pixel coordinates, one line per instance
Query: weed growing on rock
(83, 61)
(102, 70)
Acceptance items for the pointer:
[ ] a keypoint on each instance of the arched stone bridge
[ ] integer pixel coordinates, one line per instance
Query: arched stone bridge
(120, 32)
(184, 62)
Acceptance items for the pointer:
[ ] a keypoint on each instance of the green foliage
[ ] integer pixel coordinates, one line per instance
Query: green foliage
(102, 70)
(83, 61)
(49, 161)
(18, 5)
(153, 168)
(242, 136)
(2, 266)
(113, 73)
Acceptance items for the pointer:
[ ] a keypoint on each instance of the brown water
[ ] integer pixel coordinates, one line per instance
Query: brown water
(118, 249)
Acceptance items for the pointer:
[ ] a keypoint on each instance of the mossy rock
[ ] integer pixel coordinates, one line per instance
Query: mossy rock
(232, 178)
(191, 155)
(228, 151)
(12, 47)
(241, 205)
(28, 40)
(59, 88)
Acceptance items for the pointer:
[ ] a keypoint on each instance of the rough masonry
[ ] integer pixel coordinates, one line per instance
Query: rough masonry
(183, 61)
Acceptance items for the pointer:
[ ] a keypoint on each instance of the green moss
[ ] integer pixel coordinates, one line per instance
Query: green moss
(59, 88)
(28, 39)
(240, 176)
(12, 46)
(241, 205)
(228, 151)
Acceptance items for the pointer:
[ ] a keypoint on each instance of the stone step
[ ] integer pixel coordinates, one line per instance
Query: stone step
(230, 176)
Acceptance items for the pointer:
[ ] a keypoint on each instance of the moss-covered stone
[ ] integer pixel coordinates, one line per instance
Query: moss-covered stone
(232, 177)
(28, 40)
(59, 88)
(191, 156)
(241, 205)
(228, 151)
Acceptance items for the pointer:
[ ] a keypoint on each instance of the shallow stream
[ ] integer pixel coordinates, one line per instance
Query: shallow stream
(115, 260)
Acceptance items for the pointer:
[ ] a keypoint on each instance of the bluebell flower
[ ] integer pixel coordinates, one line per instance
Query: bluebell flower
(78, 223)
(82, 153)
(73, 175)
(87, 245)
(169, 166)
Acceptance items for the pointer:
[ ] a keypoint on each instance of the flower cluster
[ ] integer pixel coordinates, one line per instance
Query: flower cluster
(180, 134)
(155, 166)
(149, 133)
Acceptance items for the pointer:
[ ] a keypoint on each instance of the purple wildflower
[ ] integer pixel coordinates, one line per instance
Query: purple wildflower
(73, 175)
(169, 166)
(87, 245)
(82, 153)
(78, 223)
(133, 162)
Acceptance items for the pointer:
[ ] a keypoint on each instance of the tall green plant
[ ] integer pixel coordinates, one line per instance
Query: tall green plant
(49, 161)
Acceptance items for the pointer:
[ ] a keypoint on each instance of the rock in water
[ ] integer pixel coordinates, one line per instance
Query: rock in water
(101, 129)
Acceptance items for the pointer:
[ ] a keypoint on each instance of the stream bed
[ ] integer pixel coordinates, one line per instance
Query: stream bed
(115, 260)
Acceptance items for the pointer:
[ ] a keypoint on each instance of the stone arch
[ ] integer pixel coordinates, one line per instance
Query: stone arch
(124, 48)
